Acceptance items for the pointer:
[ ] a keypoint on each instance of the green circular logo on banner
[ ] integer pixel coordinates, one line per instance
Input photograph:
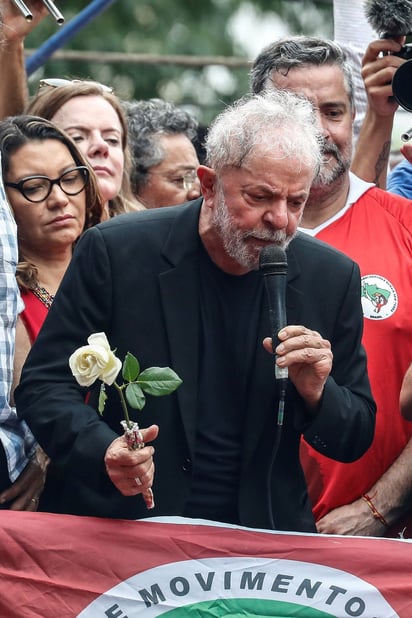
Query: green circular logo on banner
(241, 586)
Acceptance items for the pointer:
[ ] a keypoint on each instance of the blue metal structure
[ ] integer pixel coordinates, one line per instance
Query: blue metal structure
(67, 32)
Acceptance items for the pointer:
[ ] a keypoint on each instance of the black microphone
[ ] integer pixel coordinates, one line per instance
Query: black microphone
(389, 18)
(274, 267)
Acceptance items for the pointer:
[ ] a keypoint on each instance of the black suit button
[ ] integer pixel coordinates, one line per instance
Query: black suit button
(187, 465)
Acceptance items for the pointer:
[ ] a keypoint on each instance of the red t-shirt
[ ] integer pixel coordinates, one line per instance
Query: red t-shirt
(376, 232)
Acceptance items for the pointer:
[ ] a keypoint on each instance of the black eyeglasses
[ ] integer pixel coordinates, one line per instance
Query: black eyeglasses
(38, 188)
(57, 82)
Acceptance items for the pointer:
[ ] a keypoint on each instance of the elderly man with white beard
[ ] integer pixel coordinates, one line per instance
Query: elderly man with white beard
(181, 287)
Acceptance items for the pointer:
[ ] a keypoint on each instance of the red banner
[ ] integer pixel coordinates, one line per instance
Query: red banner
(58, 566)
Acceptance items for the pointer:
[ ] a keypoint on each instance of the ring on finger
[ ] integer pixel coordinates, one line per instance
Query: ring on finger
(137, 481)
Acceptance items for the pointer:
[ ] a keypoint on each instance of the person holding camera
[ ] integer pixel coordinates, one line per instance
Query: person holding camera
(380, 63)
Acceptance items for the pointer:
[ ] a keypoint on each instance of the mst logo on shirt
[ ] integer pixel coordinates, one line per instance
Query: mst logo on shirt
(379, 297)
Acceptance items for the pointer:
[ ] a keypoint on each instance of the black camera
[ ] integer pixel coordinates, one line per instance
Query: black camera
(405, 52)
(402, 85)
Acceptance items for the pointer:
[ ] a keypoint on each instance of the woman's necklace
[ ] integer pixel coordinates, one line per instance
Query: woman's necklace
(43, 295)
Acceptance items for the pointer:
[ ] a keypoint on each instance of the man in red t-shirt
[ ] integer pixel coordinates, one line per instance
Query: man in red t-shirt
(373, 494)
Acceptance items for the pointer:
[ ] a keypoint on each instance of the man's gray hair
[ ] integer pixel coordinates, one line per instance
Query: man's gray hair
(295, 52)
(146, 121)
(279, 122)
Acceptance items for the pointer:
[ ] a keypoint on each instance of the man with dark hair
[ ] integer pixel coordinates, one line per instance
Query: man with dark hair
(374, 228)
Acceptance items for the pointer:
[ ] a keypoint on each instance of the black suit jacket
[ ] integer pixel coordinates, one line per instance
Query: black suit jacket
(135, 278)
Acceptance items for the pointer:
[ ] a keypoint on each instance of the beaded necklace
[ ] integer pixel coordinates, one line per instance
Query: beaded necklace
(43, 295)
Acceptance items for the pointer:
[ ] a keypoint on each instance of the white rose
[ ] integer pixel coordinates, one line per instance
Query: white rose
(95, 361)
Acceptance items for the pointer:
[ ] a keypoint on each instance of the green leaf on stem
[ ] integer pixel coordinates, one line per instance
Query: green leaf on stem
(135, 396)
(131, 368)
(159, 381)
(102, 398)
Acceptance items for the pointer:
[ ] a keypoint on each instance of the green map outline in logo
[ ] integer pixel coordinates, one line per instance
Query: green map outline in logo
(378, 296)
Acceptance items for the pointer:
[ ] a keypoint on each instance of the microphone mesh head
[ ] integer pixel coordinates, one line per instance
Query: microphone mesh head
(389, 17)
(273, 260)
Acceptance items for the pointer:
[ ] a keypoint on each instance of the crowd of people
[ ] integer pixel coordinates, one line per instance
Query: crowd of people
(113, 225)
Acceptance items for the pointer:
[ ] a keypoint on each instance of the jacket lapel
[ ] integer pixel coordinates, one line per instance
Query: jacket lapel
(179, 289)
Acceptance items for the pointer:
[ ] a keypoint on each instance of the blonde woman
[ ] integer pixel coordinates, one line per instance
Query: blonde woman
(91, 114)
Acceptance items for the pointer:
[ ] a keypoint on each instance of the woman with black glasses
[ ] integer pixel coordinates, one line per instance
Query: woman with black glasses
(54, 196)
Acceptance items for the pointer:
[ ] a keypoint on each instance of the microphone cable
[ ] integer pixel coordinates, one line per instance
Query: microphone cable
(282, 383)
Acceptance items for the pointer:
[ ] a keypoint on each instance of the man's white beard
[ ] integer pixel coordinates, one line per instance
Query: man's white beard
(235, 241)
